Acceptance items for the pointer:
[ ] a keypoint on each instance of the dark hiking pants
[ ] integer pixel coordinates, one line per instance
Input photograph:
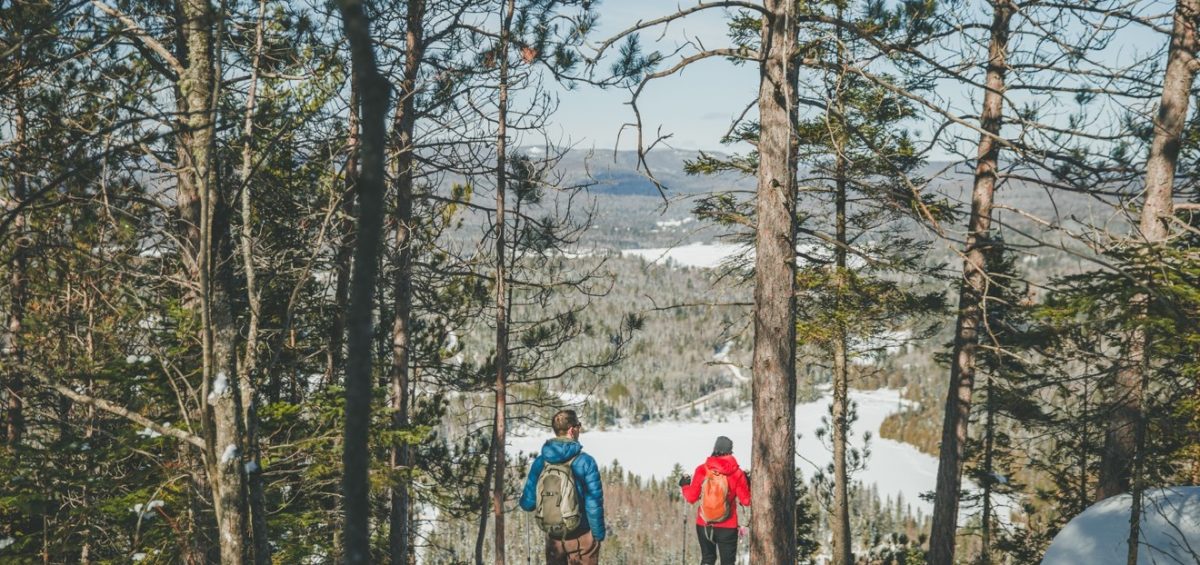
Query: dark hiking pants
(581, 550)
(714, 541)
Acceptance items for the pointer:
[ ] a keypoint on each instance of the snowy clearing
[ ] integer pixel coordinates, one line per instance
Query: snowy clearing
(897, 469)
(713, 255)
(701, 255)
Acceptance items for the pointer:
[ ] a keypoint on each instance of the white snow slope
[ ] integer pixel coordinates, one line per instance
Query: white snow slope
(897, 469)
(1170, 531)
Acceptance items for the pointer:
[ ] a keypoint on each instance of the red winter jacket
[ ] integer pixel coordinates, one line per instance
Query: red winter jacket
(738, 487)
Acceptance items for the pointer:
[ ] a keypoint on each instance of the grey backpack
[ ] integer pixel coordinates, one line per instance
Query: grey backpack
(557, 511)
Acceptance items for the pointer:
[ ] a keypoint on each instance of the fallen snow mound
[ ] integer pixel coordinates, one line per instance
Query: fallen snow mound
(1170, 531)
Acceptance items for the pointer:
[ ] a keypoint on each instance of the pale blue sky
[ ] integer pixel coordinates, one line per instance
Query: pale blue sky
(697, 106)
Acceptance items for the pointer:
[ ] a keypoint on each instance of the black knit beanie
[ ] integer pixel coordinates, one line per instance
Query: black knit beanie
(724, 446)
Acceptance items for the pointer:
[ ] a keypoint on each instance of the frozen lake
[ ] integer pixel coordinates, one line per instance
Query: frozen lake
(897, 469)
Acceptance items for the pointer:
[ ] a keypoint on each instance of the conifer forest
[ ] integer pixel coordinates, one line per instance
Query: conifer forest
(305, 281)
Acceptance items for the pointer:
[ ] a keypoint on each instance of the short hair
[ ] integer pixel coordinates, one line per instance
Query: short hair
(562, 421)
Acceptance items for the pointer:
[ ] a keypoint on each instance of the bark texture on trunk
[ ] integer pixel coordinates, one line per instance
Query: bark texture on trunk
(414, 52)
(1116, 462)
(972, 291)
(371, 183)
(335, 357)
(989, 446)
(484, 494)
(12, 354)
(773, 453)
(1123, 458)
(500, 431)
(204, 215)
(249, 367)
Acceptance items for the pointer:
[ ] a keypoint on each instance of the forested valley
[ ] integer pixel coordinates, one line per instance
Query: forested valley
(299, 281)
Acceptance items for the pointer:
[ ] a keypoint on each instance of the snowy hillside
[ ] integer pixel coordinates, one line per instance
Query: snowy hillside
(1170, 531)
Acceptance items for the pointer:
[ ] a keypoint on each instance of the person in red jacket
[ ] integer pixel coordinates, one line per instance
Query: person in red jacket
(718, 536)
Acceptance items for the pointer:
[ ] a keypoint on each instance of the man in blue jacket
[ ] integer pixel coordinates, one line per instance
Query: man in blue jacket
(581, 547)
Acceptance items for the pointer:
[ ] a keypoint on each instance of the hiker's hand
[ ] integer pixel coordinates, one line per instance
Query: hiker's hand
(743, 531)
(685, 480)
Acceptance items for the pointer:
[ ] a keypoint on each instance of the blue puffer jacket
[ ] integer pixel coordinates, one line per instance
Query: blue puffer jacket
(587, 481)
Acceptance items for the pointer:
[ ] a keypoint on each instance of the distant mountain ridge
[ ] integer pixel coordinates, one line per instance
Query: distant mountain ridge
(617, 174)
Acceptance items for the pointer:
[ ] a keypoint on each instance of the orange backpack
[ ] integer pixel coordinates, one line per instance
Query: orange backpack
(715, 502)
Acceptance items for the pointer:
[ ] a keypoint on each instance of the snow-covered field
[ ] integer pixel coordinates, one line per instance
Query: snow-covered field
(702, 255)
(712, 255)
(897, 469)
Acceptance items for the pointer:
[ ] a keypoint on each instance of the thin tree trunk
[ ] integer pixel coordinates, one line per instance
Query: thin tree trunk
(773, 453)
(1120, 440)
(989, 446)
(341, 264)
(481, 532)
(1084, 446)
(356, 455)
(398, 535)
(249, 369)
(1133, 542)
(500, 431)
(842, 554)
(89, 428)
(972, 291)
(11, 351)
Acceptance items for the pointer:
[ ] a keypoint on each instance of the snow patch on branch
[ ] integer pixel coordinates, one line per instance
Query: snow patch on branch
(145, 511)
(220, 387)
(231, 453)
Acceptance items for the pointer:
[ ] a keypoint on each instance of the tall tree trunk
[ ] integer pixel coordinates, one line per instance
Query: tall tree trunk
(842, 554)
(1120, 440)
(1081, 457)
(972, 291)
(356, 455)
(484, 492)
(500, 431)
(773, 453)
(226, 416)
(1126, 435)
(205, 218)
(989, 473)
(89, 431)
(12, 353)
(345, 252)
(1133, 541)
(249, 368)
(414, 52)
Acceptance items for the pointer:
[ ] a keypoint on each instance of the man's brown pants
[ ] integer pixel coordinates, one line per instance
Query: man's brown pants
(582, 550)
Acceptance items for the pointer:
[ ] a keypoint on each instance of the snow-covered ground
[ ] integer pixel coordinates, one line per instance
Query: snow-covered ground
(897, 469)
(702, 255)
(712, 255)
(1170, 531)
